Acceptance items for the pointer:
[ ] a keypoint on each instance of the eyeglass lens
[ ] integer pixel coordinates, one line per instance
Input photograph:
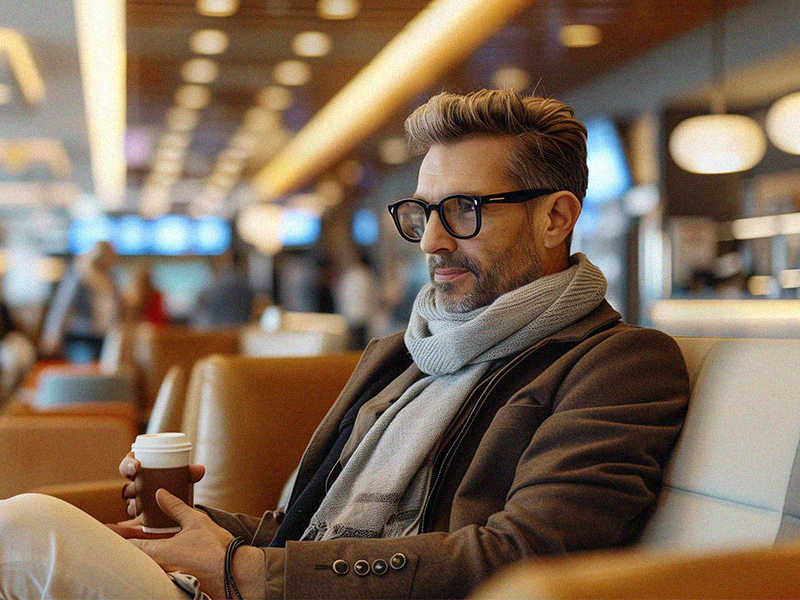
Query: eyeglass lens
(459, 216)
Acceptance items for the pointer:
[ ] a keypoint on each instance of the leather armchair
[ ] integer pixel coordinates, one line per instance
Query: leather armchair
(249, 419)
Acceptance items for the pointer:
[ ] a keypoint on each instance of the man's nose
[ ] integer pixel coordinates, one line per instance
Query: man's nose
(435, 239)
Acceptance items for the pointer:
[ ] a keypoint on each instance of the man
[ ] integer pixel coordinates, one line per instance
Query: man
(517, 416)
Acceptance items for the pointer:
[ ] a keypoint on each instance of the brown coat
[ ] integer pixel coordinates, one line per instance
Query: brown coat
(561, 449)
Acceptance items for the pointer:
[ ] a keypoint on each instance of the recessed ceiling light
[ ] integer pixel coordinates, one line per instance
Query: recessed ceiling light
(275, 97)
(311, 44)
(200, 70)
(182, 119)
(292, 73)
(261, 119)
(217, 8)
(192, 96)
(394, 151)
(580, 36)
(337, 9)
(511, 78)
(209, 41)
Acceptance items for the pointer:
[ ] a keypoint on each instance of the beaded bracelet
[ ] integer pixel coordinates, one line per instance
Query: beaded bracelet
(228, 572)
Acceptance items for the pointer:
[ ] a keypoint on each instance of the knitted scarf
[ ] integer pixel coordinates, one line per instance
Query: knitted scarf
(381, 489)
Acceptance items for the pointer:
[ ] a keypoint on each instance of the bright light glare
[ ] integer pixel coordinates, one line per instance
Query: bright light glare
(580, 36)
(192, 96)
(292, 73)
(217, 8)
(311, 44)
(209, 41)
(337, 9)
(783, 123)
(511, 78)
(717, 144)
(200, 70)
(101, 41)
(275, 97)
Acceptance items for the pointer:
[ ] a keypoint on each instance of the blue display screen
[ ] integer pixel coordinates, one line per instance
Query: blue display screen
(171, 235)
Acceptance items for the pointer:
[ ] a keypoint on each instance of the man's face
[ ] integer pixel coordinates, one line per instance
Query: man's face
(468, 274)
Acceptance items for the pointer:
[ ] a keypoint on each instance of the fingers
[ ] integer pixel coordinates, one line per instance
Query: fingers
(196, 472)
(174, 507)
(131, 496)
(129, 466)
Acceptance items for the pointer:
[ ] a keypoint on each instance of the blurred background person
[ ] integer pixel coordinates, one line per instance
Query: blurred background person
(144, 302)
(17, 353)
(86, 305)
(358, 299)
(228, 299)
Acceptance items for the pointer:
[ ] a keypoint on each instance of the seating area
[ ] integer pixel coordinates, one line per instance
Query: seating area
(730, 493)
(90, 414)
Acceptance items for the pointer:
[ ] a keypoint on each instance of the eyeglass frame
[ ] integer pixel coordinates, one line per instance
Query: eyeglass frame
(429, 207)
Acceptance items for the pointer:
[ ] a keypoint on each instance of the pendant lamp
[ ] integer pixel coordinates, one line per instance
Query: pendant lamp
(718, 142)
(783, 123)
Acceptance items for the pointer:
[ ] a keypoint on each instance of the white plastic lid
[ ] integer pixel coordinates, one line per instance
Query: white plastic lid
(162, 442)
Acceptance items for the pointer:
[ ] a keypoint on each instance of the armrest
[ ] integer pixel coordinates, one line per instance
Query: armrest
(101, 499)
(37, 451)
(755, 572)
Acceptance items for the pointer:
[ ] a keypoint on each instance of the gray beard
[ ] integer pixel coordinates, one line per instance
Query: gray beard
(504, 275)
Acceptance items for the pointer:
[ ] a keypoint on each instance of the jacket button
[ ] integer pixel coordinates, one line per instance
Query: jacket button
(361, 568)
(398, 561)
(379, 567)
(340, 567)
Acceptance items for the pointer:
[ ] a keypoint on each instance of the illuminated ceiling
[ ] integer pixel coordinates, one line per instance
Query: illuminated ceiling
(260, 35)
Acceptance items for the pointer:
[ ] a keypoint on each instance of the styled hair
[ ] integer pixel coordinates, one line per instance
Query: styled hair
(548, 145)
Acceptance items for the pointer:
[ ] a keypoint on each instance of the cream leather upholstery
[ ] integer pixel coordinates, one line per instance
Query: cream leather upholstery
(250, 419)
(734, 478)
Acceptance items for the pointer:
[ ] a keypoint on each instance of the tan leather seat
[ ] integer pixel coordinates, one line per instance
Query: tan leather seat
(167, 414)
(157, 348)
(250, 420)
(629, 575)
(37, 451)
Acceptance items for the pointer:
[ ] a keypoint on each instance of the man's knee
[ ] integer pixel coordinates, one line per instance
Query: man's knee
(31, 515)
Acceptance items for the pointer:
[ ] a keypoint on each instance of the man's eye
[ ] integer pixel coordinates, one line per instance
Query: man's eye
(465, 206)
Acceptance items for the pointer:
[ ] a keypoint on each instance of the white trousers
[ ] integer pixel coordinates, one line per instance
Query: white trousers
(50, 549)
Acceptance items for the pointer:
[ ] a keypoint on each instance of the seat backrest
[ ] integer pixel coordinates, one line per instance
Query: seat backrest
(167, 413)
(250, 419)
(734, 478)
(255, 341)
(157, 348)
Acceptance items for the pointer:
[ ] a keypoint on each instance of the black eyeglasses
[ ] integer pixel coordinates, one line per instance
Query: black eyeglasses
(460, 214)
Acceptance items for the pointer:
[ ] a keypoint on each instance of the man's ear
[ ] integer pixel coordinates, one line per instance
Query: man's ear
(563, 211)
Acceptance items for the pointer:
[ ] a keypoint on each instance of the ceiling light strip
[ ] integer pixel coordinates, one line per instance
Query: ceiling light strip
(441, 35)
(22, 65)
(101, 45)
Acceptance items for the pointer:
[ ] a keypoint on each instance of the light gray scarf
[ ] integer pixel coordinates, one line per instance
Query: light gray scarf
(380, 491)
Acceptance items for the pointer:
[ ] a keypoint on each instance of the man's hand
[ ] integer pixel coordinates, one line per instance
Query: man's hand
(129, 468)
(199, 550)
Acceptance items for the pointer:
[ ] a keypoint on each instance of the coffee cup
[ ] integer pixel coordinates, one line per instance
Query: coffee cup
(165, 459)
